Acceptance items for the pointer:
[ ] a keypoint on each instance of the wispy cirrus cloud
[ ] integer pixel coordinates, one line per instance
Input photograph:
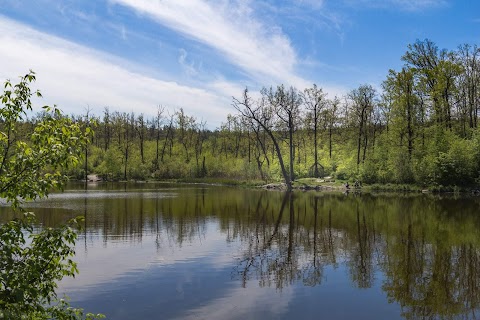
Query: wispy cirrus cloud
(414, 5)
(314, 4)
(74, 77)
(315, 14)
(261, 51)
(187, 66)
(404, 5)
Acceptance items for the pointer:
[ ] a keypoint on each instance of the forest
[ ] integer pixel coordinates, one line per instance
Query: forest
(420, 127)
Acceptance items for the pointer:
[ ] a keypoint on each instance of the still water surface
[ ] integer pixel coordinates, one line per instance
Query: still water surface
(157, 251)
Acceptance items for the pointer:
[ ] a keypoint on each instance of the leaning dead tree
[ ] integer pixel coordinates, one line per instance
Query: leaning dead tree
(263, 114)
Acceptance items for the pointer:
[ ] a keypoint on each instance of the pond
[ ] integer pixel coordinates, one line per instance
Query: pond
(160, 251)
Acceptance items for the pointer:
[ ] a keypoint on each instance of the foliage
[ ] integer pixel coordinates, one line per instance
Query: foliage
(421, 129)
(30, 268)
(31, 165)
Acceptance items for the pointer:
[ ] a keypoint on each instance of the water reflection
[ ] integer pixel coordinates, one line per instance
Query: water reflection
(415, 257)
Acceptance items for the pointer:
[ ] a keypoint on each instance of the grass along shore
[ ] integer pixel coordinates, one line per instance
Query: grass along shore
(322, 184)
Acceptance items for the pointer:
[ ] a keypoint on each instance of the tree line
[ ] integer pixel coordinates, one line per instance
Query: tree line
(420, 127)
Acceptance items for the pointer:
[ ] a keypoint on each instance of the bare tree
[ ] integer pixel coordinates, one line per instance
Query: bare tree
(106, 127)
(158, 123)
(140, 127)
(87, 125)
(286, 105)
(262, 114)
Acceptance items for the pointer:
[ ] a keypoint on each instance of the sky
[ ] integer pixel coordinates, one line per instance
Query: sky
(139, 55)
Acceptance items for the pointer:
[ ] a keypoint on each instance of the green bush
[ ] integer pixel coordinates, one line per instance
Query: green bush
(31, 261)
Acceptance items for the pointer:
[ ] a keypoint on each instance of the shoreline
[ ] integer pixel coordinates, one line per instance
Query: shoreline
(312, 184)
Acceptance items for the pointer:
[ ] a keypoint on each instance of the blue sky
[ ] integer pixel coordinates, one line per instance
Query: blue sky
(135, 55)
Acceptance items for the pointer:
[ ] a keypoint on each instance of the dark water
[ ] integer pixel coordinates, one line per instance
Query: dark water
(205, 252)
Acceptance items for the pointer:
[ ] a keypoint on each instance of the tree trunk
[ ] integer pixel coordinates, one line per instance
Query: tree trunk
(292, 156)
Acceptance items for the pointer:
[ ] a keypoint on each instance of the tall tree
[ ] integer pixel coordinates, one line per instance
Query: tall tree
(106, 128)
(469, 84)
(315, 102)
(262, 114)
(186, 130)
(437, 71)
(87, 125)
(286, 105)
(362, 108)
(401, 88)
(331, 121)
(140, 128)
(158, 126)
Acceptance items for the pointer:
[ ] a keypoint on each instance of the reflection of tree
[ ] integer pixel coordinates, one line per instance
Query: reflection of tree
(427, 247)
(188, 226)
(361, 264)
(433, 279)
(427, 273)
(282, 253)
(258, 258)
(313, 270)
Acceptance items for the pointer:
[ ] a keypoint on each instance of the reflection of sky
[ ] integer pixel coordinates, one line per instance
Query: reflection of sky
(193, 281)
(156, 278)
(185, 254)
(139, 273)
(244, 303)
(336, 298)
(120, 257)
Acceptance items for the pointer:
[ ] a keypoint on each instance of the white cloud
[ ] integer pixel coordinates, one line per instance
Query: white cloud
(407, 5)
(188, 67)
(74, 77)
(418, 4)
(262, 51)
(314, 4)
(124, 33)
(230, 89)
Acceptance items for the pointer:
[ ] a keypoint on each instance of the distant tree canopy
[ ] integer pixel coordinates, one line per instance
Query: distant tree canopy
(422, 127)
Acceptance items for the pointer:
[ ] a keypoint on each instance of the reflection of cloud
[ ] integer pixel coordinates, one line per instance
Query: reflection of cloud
(105, 261)
(238, 303)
